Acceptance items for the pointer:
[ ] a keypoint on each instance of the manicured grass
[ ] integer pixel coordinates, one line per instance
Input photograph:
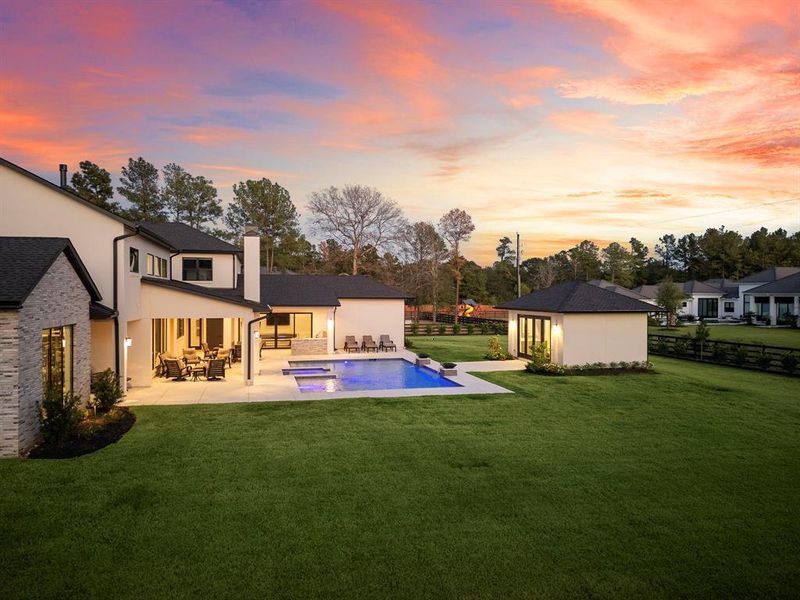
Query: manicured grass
(679, 484)
(789, 338)
(454, 348)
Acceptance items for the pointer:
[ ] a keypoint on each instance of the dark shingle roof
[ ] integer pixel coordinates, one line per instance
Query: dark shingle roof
(577, 297)
(231, 295)
(769, 275)
(607, 285)
(322, 290)
(784, 285)
(25, 260)
(688, 287)
(99, 311)
(188, 239)
(728, 286)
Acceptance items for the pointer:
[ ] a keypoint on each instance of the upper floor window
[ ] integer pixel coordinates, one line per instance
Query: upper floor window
(156, 266)
(197, 269)
(133, 260)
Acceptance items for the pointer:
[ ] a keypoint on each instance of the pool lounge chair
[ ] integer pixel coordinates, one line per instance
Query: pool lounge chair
(350, 343)
(386, 343)
(368, 344)
(174, 369)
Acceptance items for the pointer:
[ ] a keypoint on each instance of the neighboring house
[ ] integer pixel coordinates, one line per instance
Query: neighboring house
(580, 322)
(747, 284)
(700, 299)
(614, 287)
(46, 295)
(777, 299)
(167, 286)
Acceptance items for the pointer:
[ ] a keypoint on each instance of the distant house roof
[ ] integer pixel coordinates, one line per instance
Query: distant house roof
(784, 285)
(322, 290)
(185, 238)
(728, 286)
(577, 297)
(607, 285)
(769, 275)
(688, 287)
(25, 260)
(231, 295)
(65, 192)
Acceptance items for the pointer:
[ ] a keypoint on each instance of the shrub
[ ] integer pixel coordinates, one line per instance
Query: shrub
(448, 365)
(748, 317)
(764, 360)
(107, 391)
(414, 328)
(740, 355)
(540, 354)
(470, 328)
(680, 346)
(428, 329)
(408, 343)
(485, 328)
(691, 318)
(442, 329)
(788, 319)
(719, 353)
(789, 362)
(456, 328)
(661, 346)
(652, 321)
(496, 351)
(59, 415)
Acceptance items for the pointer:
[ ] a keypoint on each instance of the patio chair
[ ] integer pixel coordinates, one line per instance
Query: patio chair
(209, 353)
(367, 344)
(225, 355)
(161, 371)
(216, 369)
(350, 343)
(386, 343)
(174, 369)
(191, 357)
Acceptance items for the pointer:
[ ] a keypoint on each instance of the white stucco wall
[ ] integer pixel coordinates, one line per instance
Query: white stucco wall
(370, 317)
(225, 268)
(604, 337)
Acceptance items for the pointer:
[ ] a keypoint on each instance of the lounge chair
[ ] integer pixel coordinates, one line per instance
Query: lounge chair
(209, 353)
(216, 369)
(386, 343)
(350, 343)
(191, 357)
(162, 368)
(225, 355)
(367, 344)
(174, 369)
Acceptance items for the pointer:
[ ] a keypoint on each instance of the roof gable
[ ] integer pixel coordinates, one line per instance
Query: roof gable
(25, 260)
(577, 297)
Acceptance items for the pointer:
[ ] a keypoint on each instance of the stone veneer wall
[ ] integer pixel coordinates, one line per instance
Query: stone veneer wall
(59, 299)
(310, 346)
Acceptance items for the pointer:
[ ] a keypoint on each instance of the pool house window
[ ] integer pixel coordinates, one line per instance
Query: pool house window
(198, 269)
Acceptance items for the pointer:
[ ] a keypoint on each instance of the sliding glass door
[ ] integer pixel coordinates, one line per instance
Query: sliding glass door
(707, 308)
(532, 331)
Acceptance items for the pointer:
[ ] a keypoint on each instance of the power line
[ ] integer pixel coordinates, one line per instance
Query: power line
(728, 210)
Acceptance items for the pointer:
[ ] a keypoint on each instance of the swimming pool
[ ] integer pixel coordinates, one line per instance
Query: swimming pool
(368, 374)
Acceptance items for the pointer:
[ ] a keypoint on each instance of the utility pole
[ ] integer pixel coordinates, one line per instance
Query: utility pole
(519, 278)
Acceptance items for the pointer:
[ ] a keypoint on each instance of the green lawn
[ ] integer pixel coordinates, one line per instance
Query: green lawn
(679, 484)
(454, 348)
(790, 338)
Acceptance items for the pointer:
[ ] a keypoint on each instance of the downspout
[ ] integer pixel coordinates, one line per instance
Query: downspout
(116, 303)
(334, 328)
(250, 342)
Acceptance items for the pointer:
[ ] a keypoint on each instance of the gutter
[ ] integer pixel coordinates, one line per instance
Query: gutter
(249, 356)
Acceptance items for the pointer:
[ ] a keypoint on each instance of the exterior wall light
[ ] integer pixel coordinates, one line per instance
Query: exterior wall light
(556, 329)
(128, 342)
(256, 335)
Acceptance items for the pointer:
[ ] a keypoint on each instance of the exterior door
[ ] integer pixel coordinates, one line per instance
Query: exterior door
(531, 331)
(707, 308)
(214, 337)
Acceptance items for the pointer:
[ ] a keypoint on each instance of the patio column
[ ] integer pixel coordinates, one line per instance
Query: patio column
(796, 308)
(773, 311)
(248, 343)
(331, 330)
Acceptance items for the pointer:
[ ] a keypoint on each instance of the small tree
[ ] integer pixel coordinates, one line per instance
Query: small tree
(107, 391)
(701, 335)
(456, 227)
(59, 415)
(669, 297)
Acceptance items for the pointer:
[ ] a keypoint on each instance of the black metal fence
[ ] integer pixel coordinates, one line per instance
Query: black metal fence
(776, 359)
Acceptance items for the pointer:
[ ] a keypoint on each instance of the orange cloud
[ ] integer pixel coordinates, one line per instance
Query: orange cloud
(584, 121)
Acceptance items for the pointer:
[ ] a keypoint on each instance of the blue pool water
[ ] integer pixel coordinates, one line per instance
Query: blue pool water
(356, 375)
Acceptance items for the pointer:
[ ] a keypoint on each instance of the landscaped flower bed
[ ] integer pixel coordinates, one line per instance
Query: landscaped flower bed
(613, 368)
(90, 434)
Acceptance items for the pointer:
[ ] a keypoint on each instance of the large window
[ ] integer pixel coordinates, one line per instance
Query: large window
(728, 307)
(156, 266)
(279, 329)
(532, 331)
(57, 353)
(159, 339)
(133, 260)
(197, 269)
(707, 308)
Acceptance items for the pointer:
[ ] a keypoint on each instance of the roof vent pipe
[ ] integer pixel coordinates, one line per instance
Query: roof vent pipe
(63, 170)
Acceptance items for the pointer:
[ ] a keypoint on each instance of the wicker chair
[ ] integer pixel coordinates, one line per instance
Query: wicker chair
(386, 343)
(350, 343)
(367, 344)
(174, 370)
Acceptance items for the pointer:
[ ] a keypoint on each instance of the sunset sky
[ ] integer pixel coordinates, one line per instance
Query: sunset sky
(562, 120)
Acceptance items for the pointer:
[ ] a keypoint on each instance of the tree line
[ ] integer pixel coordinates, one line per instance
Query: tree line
(365, 232)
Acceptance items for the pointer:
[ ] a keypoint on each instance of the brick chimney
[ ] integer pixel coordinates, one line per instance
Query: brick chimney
(252, 264)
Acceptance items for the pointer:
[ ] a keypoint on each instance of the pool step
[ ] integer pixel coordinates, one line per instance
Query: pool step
(306, 370)
(315, 376)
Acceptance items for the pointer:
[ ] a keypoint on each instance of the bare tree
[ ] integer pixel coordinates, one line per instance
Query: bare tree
(456, 227)
(356, 216)
(424, 251)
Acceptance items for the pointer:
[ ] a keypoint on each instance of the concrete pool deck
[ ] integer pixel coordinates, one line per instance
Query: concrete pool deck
(271, 385)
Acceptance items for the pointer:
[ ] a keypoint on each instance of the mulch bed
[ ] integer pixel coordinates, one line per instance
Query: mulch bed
(80, 444)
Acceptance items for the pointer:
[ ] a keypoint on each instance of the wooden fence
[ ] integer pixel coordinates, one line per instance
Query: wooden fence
(489, 327)
(448, 318)
(776, 359)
